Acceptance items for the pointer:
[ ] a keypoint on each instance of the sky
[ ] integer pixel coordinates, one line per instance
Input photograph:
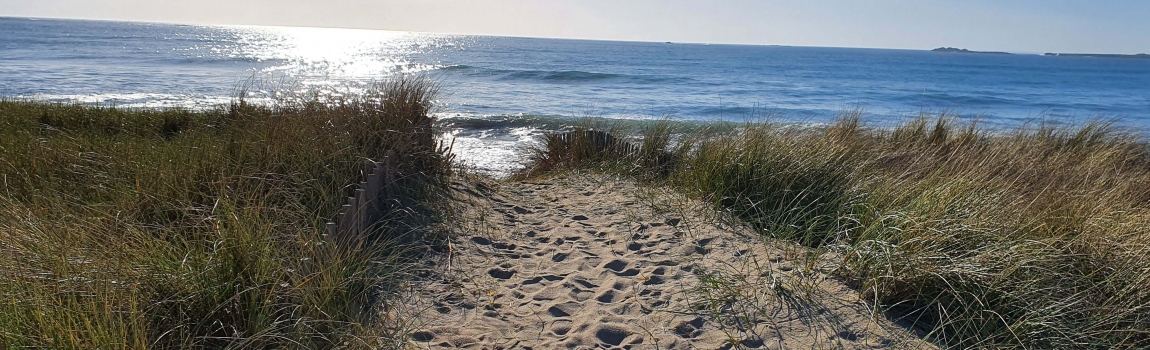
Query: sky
(1025, 26)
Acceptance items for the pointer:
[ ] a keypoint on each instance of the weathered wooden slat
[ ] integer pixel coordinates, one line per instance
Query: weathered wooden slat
(353, 222)
(362, 203)
(374, 185)
(342, 222)
(366, 206)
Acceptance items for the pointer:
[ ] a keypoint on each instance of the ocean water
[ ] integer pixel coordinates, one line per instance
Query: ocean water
(501, 91)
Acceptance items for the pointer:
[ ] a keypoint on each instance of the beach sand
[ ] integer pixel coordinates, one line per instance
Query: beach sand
(584, 262)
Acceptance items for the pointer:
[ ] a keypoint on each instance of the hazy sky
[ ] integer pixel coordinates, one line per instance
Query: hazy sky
(1110, 26)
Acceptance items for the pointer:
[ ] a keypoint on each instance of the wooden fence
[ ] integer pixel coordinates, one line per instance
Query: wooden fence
(365, 208)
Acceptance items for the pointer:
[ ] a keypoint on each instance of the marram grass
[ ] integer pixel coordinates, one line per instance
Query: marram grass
(124, 228)
(1033, 238)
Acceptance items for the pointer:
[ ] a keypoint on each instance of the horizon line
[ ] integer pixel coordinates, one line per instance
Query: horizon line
(204, 24)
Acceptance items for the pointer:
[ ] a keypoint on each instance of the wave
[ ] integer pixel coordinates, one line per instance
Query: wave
(226, 60)
(552, 76)
(561, 76)
(504, 122)
(964, 100)
(455, 67)
(523, 124)
(133, 100)
(545, 122)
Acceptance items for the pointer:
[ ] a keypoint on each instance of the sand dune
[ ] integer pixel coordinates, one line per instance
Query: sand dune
(579, 263)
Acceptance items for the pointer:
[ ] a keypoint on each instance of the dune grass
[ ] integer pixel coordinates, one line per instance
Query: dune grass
(1033, 238)
(124, 228)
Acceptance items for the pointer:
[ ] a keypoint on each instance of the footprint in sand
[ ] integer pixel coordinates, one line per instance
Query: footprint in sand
(581, 276)
(501, 273)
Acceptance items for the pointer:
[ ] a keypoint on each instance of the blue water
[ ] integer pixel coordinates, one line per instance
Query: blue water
(515, 82)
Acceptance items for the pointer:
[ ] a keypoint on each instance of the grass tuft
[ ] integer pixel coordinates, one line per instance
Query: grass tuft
(137, 228)
(606, 146)
(1032, 238)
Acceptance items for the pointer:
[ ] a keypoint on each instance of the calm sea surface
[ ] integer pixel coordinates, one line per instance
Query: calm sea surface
(500, 91)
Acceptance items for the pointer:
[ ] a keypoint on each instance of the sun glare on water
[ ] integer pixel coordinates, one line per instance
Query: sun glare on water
(320, 56)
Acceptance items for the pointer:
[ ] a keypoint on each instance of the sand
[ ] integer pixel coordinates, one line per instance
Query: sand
(586, 262)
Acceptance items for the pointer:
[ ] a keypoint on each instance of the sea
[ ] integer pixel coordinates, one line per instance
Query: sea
(499, 93)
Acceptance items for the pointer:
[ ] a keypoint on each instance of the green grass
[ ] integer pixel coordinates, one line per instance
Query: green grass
(123, 228)
(1034, 238)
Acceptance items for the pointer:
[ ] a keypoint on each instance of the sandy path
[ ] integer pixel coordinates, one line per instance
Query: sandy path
(591, 263)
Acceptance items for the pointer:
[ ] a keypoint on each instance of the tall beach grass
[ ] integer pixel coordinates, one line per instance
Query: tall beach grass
(1037, 237)
(124, 228)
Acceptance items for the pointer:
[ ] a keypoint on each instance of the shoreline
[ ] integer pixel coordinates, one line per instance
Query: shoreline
(495, 145)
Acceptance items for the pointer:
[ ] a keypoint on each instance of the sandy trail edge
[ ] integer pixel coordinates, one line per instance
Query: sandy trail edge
(584, 262)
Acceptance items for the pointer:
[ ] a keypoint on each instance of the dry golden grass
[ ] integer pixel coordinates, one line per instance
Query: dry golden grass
(176, 229)
(1038, 237)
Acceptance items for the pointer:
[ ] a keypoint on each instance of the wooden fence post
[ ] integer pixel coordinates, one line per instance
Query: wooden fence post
(365, 208)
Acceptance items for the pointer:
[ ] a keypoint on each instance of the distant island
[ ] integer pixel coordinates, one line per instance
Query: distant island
(1100, 55)
(958, 50)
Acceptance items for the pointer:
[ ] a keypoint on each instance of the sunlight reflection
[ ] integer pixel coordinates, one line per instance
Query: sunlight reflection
(322, 54)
